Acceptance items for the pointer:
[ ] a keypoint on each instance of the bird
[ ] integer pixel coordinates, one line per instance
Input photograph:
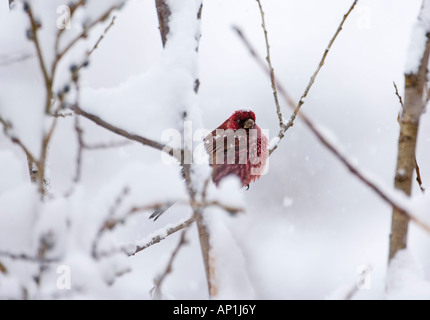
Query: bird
(237, 147)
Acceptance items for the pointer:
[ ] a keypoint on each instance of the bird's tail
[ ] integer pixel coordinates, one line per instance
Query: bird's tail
(159, 211)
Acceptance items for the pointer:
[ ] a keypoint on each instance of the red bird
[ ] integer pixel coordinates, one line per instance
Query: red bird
(237, 147)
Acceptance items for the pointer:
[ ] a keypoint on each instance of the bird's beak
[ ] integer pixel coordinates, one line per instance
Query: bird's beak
(249, 124)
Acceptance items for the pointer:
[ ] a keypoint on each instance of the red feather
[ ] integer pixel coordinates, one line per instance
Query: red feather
(237, 147)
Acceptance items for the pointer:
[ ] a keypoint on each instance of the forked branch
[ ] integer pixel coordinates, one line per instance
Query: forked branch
(385, 196)
(296, 107)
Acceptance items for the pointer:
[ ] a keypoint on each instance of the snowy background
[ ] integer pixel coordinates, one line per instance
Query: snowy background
(310, 227)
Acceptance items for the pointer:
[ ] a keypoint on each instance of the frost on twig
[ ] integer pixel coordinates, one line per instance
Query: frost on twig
(157, 237)
(272, 71)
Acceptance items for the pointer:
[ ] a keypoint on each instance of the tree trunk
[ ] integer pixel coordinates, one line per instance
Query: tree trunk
(413, 107)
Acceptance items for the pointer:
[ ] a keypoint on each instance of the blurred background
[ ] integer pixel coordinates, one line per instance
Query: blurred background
(310, 226)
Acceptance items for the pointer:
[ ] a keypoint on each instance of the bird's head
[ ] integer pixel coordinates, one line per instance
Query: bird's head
(242, 119)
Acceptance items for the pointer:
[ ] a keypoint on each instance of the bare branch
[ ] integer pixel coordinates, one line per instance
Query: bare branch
(134, 137)
(63, 115)
(360, 175)
(417, 168)
(272, 71)
(111, 222)
(81, 145)
(102, 36)
(333, 149)
(82, 35)
(7, 126)
(287, 97)
(419, 180)
(107, 224)
(398, 95)
(33, 36)
(321, 63)
(160, 279)
(27, 258)
(107, 145)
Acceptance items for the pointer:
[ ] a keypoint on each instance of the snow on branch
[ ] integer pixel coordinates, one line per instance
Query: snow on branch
(157, 237)
(418, 40)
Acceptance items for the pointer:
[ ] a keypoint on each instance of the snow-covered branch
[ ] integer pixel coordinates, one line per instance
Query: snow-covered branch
(157, 237)
(415, 100)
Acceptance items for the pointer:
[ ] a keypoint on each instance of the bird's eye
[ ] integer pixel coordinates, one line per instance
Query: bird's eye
(238, 120)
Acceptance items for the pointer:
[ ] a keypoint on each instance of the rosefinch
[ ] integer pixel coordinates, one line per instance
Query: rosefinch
(237, 147)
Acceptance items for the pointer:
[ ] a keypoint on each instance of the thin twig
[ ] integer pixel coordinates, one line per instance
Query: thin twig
(81, 144)
(7, 126)
(419, 180)
(107, 224)
(62, 115)
(27, 258)
(35, 25)
(10, 61)
(398, 95)
(108, 145)
(163, 12)
(158, 282)
(272, 71)
(72, 7)
(41, 179)
(102, 36)
(82, 35)
(163, 234)
(287, 97)
(134, 137)
(113, 222)
(321, 63)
